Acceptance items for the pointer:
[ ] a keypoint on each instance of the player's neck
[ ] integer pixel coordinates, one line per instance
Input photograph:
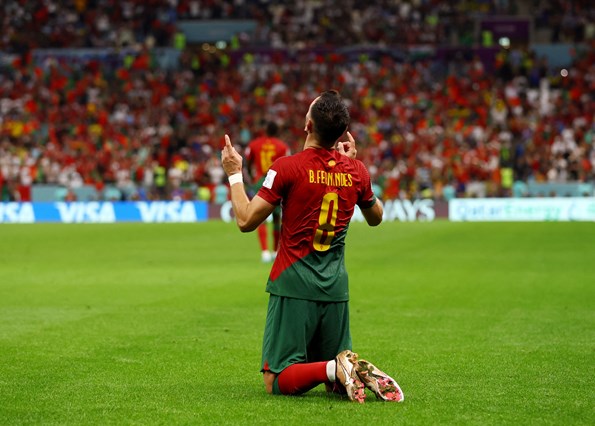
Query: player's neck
(311, 142)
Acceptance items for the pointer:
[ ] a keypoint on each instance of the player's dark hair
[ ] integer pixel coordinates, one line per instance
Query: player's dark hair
(330, 117)
(272, 129)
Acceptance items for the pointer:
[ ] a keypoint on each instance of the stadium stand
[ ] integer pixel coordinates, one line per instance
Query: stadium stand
(439, 108)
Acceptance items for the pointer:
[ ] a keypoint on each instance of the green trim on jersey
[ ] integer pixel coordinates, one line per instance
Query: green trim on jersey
(368, 204)
(319, 276)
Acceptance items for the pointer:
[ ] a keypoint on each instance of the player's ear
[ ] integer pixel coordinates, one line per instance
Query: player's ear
(308, 127)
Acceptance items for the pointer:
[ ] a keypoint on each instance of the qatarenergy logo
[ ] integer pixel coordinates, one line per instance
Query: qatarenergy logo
(521, 209)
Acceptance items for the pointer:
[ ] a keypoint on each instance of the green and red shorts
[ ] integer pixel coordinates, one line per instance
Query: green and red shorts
(299, 331)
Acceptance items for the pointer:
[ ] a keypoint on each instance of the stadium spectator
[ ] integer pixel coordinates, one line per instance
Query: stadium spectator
(308, 316)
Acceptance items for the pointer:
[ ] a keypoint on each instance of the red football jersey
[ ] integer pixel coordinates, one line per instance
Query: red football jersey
(262, 153)
(318, 190)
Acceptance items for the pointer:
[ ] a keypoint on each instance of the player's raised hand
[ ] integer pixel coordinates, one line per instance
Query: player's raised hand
(230, 158)
(347, 147)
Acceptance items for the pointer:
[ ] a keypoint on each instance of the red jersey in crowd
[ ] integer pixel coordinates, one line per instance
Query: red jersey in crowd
(262, 152)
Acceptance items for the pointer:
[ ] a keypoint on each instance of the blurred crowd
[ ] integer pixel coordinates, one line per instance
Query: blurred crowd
(426, 128)
(297, 24)
(566, 21)
(85, 23)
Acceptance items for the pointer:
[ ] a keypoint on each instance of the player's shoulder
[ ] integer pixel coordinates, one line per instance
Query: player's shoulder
(359, 164)
(286, 160)
(354, 162)
(353, 165)
(294, 161)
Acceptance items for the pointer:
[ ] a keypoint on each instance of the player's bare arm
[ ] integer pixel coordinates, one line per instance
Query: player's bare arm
(373, 215)
(249, 213)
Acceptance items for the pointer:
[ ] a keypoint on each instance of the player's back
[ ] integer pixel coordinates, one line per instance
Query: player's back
(321, 200)
(318, 190)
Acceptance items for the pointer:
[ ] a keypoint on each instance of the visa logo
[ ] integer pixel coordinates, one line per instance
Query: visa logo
(16, 213)
(167, 211)
(92, 212)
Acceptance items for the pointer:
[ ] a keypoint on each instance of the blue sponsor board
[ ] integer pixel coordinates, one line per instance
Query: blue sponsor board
(104, 212)
(523, 209)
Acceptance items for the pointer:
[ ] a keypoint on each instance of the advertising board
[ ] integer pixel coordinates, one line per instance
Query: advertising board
(104, 212)
(522, 209)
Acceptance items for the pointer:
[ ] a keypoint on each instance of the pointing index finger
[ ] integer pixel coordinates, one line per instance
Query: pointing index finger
(350, 138)
(228, 142)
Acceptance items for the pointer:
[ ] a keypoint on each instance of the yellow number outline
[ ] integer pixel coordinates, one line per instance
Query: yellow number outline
(266, 156)
(325, 231)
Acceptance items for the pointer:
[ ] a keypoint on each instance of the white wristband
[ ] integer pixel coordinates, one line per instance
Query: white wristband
(236, 178)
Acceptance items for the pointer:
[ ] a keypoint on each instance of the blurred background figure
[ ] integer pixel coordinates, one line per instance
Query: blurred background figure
(261, 153)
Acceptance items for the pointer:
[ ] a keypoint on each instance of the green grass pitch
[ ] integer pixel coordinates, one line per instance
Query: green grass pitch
(162, 324)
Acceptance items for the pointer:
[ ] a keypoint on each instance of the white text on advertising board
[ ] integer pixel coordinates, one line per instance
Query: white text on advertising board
(91, 212)
(163, 211)
(16, 213)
